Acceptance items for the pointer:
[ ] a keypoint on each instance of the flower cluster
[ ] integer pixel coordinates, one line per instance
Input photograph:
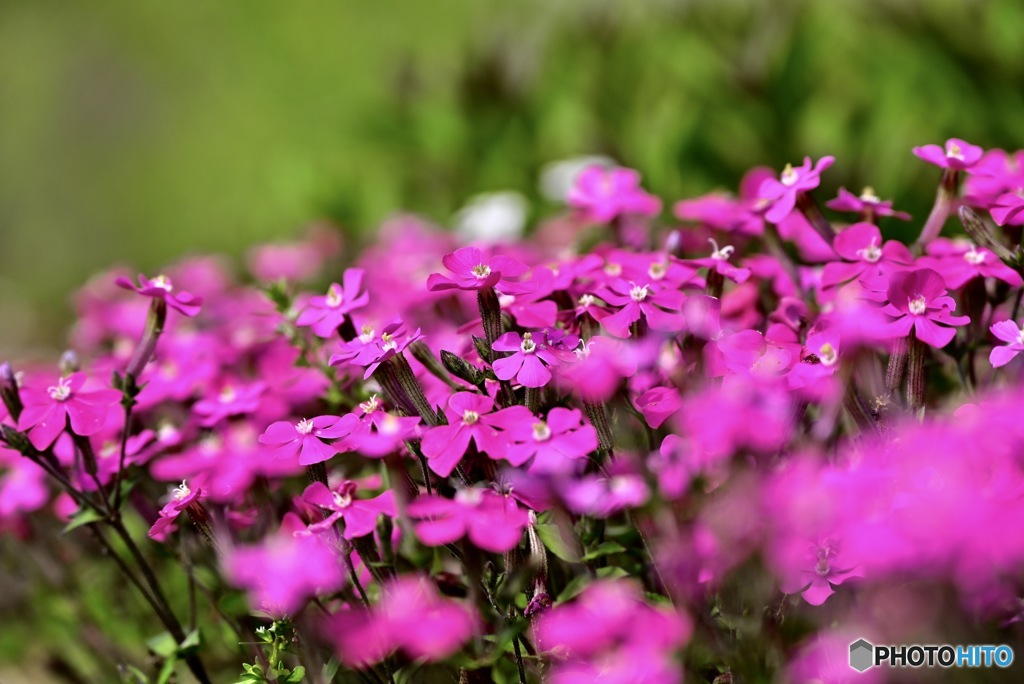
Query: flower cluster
(616, 464)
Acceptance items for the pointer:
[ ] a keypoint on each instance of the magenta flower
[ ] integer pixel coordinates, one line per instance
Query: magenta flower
(47, 412)
(603, 195)
(658, 404)
(285, 569)
(867, 204)
(306, 438)
(1008, 209)
(720, 212)
(530, 360)
(411, 616)
(554, 444)
(468, 421)
(377, 433)
(863, 252)
(657, 305)
(359, 515)
(959, 262)
(815, 575)
(473, 270)
(370, 350)
(325, 313)
(601, 496)
(161, 288)
(235, 398)
(181, 499)
(781, 193)
(957, 154)
(493, 522)
(1008, 332)
(918, 301)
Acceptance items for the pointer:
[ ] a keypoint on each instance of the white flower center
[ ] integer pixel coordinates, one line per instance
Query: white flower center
(583, 351)
(721, 254)
(953, 151)
(390, 425)
(587, 301)
(638, 293)
(334, 297)
(367, 334)
(469, 497)
(342, 500)
(657, 270)
(871, 253)
(827, 354)
(789, 176)
(541, 432)
(181, 491)
(389, 342)
(613, 269)
(868, 196)
(481, 271)
(370, 405)
(917, 305)
(528, 346)
(61, 391)
(304, 426)
(227, 395)
(162, 282)
(470, 417)
(974, 257)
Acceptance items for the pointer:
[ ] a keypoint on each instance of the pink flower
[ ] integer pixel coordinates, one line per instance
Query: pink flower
(600, 367)
(285, 569)
(306, 438)
(378, 433)
(473, 270)
(868, 205)
(781, 193)
(181, 498)
(468, 421)
(1008, 208)
(325, 313)
(370, 350)
(815, 574)
(719, 263)
(656, 304)
(861, 247)
(602, 496)
(553, 444)
(1008, 332)
(492, 521)
(959, 262)
(359, 515)
(531, 358)
(411, 616)
(47, 412)
(603, 195)
(235, 398)
(918, 301)
(957, 154)
(720, 212)
(161, 288)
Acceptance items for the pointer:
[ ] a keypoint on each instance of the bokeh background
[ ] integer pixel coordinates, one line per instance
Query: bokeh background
(133, 133)
(136, 132)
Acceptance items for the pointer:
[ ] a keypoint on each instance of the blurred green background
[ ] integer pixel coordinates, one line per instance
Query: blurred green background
(136, 132)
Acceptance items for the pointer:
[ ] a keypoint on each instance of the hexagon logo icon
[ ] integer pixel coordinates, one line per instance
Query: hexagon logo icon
(861, 655)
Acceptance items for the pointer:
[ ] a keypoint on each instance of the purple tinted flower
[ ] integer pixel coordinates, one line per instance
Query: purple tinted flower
(473, 270)
(1008, 332)
(411, 616)
(493, 522)
(817, 572)
(325, 313)
(959, 262)
(1008, 208)
(161, 288)
(285, 569)
(867, 204)
(957, 154)
(370, 350)
(918, 301)
(533, 353)
(658, 404)
(306, 438)
(720, 212)
(181, 498)
(861, 247)
(554, 444)
(602, 496)
(359, 515)
(603, 195)
(600, 367)
(377, 433)
(235, 398)
(719, 263)
(468, 421)
(657, 305)
(781, 193)
(47, 412)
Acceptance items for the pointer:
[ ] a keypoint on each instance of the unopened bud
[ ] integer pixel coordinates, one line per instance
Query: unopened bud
(69, 362)
(9, 390)
(983, 235)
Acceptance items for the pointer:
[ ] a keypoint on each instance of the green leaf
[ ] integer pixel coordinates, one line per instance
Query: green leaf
(297, 675)
(84, 516)
(605, 549)
(166, 672)
(162, 644)
(330, 669)
(558, 539)
(192, 642)
(578, 584)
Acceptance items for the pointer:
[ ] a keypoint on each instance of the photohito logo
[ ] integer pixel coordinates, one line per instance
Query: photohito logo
(865, 655)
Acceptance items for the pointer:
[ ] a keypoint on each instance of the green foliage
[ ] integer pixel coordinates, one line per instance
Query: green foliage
(274, 643)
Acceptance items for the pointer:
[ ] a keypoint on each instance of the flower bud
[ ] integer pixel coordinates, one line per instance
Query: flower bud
(982, 234)
(9, 390)
(69, 362)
